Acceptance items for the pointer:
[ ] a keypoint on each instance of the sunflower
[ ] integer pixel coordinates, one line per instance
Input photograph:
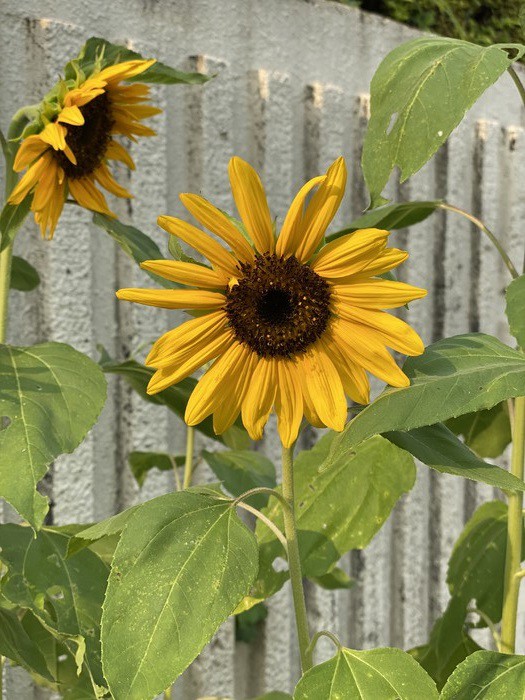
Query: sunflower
(290, 326)
(71, 151)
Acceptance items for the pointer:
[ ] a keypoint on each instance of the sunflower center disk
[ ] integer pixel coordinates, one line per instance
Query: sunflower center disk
(279, 306)
(89, 141)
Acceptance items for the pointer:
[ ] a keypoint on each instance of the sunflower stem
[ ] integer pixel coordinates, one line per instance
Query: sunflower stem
(188, 465)
(511, 584)
(5, 279)
(294, 561)
(518, 83)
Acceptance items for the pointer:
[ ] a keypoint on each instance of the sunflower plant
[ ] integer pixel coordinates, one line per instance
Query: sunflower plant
(285, 318)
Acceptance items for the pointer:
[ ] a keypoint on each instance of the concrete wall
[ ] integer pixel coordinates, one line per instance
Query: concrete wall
(290, 95)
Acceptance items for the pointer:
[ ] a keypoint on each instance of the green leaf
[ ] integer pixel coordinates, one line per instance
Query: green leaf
(176, 252)
(86, 536)
(175, 397)
(419, 94)
(334, 580)
(336, 510)
(65, 595)
(486, 432)
(19, 647)
(389, 674)
(50, 396)
(477, 564)
(516, 309)
(24, 277)
(183, 563)
(448, 646)
(391, 217)
(248, 623)
(134, 243)
(438, 447)
(487, 675)
(274, 695)
(11, 218)
(142, 462)
(454, 376)
(114, 53)
(241, 470)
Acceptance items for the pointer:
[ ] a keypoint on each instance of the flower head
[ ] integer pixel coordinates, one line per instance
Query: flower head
(290, 325)
(74, 141)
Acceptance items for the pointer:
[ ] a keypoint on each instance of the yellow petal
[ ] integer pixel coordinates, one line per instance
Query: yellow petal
(216, 254)
(392, 331)
(309, 409)
(125, 70)
(229, 407)
(115, 151)
(210, 389)
(385, 261)
(70, 155)
(87, 195)
(321, 210)
(32, 147)
(215, 221)
(260, 397)
(376, 294)
(185, 334)
(175, 372)
(368, 352)
(105, 178)
(353, 376)
(85, 93)
(187, 273)
(55, 135)
(349, 254)
(324, 387)
(291, 230)
(71, 115)
(30, 179)
(173, 298)
(288, 402)
(45, 187)
(251, 203)
(47, 217)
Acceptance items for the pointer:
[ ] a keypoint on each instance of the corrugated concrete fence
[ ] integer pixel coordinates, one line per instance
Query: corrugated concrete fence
(290, 95)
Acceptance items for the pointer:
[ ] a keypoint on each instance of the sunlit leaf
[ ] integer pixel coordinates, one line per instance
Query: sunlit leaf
(487, 675)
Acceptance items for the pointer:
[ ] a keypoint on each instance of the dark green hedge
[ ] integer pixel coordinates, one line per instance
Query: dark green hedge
(480, 21)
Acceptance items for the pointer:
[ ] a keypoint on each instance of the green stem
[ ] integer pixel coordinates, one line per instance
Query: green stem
(511, 585)
(518, 83)
(263, 518)
(324, 633)
(492, 237)
(294, 561)
(188, 466)
(178, 485)
(5, 278)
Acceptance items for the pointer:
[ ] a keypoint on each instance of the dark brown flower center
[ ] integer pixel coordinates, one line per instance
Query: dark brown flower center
(279, 306)
(89, 141)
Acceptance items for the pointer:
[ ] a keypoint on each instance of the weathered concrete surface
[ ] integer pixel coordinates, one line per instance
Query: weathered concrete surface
(290, 95)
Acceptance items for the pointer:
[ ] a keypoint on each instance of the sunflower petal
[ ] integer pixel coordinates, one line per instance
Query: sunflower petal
(32, 147)
(30, 179)
(288, 402)
(349, 254)
(115, 151)
(71, 115)
(291, 229)
(376, 294)
(173, 298)
(186, 273)
(229, 408)
(353, 376)
(385, 261)
(87, 195)
(125, 70)
(260, 397)
(250, 199)
(324, 387)
(106, 179)
(55, 135)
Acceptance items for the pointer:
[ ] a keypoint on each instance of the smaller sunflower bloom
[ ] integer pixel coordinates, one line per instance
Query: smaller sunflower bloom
(70, 153)
(289, 326)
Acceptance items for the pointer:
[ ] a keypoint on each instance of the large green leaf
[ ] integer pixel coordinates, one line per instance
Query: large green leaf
(391, 217)
(486, 432)
(336, 510)
(134, 243)
(24, 277)
(114, 53)
(487, 675)
(19, 647)
(183, 563)
(438, 447)
(454, 376)
(449, 644)
(66, 595)
(50, 396)
(386, 674)
(85, 536)
(419, 94)
(241, 470)
(516, 309)
(141, 463)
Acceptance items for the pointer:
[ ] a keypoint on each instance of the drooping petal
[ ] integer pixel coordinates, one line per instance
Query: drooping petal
(288, 402)
(30, 179)
(349, 254)
(31, 148)
(87, 195)
(228, 409)
(187, 273)
(291, 230)
(376, 293)
(47, 218)
(324, 387)
(173, 298)
(205, 244)
(106, 179)
(215, 221)
(46, 185)
(55, 135)
(250, 199)
(260, 397)
(321, 210)
(115, 151)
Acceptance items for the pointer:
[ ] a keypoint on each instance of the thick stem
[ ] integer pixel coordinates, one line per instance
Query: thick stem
(294, 561)
(5, 278)
(188, 466)
(514, 534)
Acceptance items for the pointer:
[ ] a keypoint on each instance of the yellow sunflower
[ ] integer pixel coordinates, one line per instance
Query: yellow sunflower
(290, 326)
(70, 153)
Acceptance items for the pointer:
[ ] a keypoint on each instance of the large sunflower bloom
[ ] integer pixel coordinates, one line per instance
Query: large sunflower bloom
(288, 326)
(70, 154)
